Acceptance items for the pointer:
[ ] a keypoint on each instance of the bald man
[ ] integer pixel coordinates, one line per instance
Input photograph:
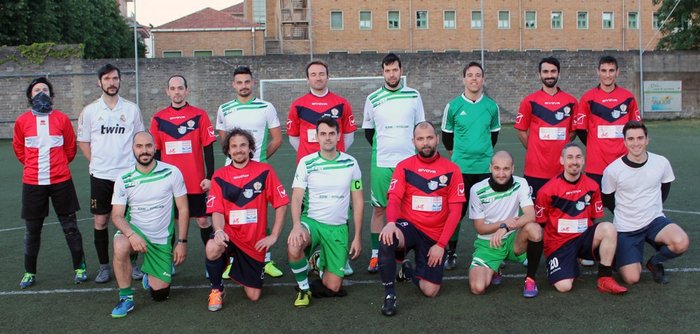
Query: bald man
(502, 232)
(148, 190)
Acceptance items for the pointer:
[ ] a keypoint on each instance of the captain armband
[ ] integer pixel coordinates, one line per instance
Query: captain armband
(356, 185)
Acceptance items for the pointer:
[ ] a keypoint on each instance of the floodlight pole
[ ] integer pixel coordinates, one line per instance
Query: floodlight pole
(136, 55)
(483, 26)
(641, 62)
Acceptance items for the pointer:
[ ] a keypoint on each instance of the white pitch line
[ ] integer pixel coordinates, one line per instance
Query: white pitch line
(347, 282)
(51, 223)
(681, 211)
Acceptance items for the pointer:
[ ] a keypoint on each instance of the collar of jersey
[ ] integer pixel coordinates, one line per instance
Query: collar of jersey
(323, 95)
(473, 102)
(249, 101)
(116, 106)
(429, 160)
(398, 89)
(150, 172)
(334, 159)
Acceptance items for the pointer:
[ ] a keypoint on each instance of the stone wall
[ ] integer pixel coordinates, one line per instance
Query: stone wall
(509, 77)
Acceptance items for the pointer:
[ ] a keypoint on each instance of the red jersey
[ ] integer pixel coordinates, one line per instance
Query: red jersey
(603, 115)
(567, 209)
(306, 110)
(425, 188)
(549, 120)
(45, 145)
(241, 195)
(180, 135)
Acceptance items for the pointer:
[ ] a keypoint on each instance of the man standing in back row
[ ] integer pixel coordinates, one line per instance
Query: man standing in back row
(602, 113)
(544, 124)
(105, 131)
(390, 114)
(470, 126)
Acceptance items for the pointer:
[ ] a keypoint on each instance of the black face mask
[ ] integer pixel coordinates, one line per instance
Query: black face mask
(41, 104)
(501, 187)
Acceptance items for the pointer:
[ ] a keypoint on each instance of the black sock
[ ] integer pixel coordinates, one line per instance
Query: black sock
(534, 253)
(102, 245)
(32, 243)
(387, 266)
(216, 270)
(205, 233)
(451, 247)
(74, 239)
(604, 271)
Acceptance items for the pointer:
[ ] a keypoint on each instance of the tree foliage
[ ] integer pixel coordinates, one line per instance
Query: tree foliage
(96, 24)
(682, 30)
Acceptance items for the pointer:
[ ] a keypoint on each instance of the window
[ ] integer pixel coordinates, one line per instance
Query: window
(476, 19)
(607, 20)
(422, 19)
(557, 19)
(449, 19)
(259, 11)
(655, 22)
(582, 20)
(530, 19)
(365, 20)
(394, 19)
(336, 20)
(202, 53)
(172, 54)
(233, 53)
(632, 20)
(503, 19)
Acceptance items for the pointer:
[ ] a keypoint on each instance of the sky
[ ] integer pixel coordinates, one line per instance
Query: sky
(158, 12)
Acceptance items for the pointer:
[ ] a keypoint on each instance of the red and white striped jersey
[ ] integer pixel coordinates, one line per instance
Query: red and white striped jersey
(45, 145)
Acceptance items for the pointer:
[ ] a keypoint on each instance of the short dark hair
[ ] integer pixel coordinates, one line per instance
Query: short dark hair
(327, 120)
(316, 62)
(242, 70)
(36, 81)
(634, 125)
(548, 60)
(607, 59)
(177, 76)
(239, 132)
(570, 145)
(106, 69)
(472, 64)
(390, 59)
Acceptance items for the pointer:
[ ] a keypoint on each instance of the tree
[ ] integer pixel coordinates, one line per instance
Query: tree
(682, 30)
(96, 24)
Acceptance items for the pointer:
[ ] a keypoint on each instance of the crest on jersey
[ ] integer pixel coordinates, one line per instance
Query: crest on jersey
(281, 191)
(623, 107)
(210, 201)
(432, 185)
(289, 124)
(539, 211)
(460, 189)
(190, 123)
(587, 198)
(559, 115)
(122, 118)
(580, 205)
(616, 113)
(257, 186)
(334, 113)
(579, 119)
(211, 131)
(392, 185)
(352, 120)
(248, 193)
(443, 180)
(518, 118)
(181, 130)
(567, 111)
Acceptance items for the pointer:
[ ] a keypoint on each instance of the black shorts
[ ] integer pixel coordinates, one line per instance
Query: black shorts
(536, 184)
(420, 244)
(469, 181)
(35, 199)
(101, 191)
(245, 270)
(197, 204)
(563, 263)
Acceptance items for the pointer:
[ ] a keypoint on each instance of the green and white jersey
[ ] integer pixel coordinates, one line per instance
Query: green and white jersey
(392, 114)
(256, 116)
(493, 206)
(150, 199)
(472, 124)
(328, 184)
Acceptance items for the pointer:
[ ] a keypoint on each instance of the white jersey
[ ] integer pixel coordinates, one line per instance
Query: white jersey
(637, 191)
(328, 184)
(393, 114)
(150, 199)
(256, 116)
(492, 206)
(110, 133)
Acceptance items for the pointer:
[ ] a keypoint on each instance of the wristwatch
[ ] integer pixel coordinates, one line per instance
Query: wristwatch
(503, 225)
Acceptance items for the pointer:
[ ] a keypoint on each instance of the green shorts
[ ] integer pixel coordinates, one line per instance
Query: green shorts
(485, 256)
(380, 178)
(158, 259)
(332, 240)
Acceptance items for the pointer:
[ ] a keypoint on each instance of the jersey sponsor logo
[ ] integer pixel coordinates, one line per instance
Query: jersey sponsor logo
(117, 130)
(425, 170)
(210, 201)
(580, 205)
(432, 185)
(598, 206)
(579, 119)
(352, 119)
(392, 185)
(211, 132)
(539, 211)
(460, 189)
(248, 193)
(518, 118)
(281, 191)
(289, 124)
(463, 113)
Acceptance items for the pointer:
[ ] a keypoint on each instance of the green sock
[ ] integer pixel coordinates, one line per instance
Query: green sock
(374, 238)
(126, 292)
(300, 269)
